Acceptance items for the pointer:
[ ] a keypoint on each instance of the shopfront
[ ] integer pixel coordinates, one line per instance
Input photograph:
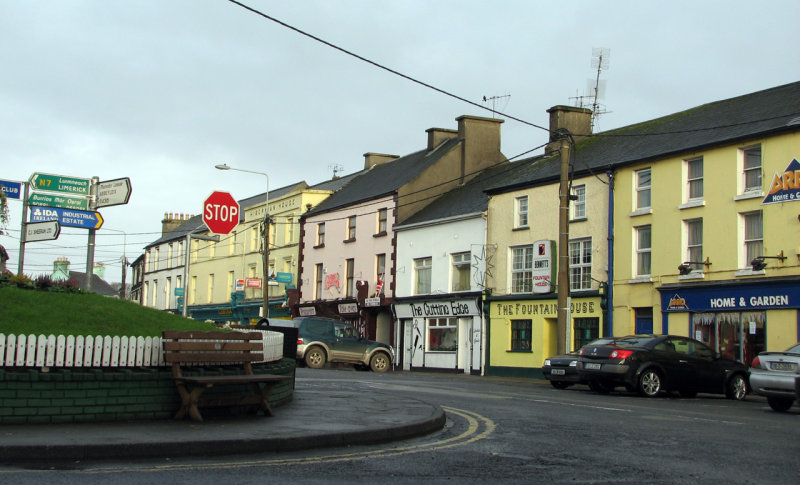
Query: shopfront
(441, 333)
(523, 333)
(736, 319)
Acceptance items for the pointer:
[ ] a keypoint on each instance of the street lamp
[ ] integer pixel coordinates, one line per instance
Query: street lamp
(265, 236)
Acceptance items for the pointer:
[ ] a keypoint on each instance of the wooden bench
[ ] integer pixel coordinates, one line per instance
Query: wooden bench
(217, 349)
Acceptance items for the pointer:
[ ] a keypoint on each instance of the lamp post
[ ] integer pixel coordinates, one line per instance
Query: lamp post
(265, 236)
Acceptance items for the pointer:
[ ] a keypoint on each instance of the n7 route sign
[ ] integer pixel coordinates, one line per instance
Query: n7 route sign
(60, 183)
(220, 212)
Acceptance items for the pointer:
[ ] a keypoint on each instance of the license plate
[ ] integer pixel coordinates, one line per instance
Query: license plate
(557, 372)
(593, 366)
(783, 366)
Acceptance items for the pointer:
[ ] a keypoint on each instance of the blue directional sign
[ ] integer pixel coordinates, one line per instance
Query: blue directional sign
(67, 217)
(13, 190)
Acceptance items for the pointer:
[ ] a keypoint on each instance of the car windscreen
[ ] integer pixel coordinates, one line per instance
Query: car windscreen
(793, 350)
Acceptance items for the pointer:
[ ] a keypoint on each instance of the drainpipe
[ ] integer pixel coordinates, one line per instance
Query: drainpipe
(609, 323)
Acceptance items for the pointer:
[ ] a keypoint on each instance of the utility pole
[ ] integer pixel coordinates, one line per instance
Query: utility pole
(563, 242)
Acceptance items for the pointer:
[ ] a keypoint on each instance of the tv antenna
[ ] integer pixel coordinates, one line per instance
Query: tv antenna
(336, 168)
(600, 60)
(494, 99)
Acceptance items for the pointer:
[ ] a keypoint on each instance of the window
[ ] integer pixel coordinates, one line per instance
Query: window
(193, 291)
(178, 282)
(350, 288)
(586, 330)
(318, 281)
(382, 221)
(289, 230)
(194, 249)
(694, 242)
(181, 254)
(522, 269)
(232, 243)
(643, 189)
(643, 249)
(461, 269)
(422, 276)
(231, 282)
(273, 234)
(579, 203)
(521, 335)
(694, 177)
(752, 168)
(351, 228)
(380, 270)
(169, 256)
(442, 334)
(521, 212)
(253, 239)
(580, 264)
(212, 245)
(145, 292)
(155, 260)
(321, 234)
(155, 293)
(753, 236)
(210, 295)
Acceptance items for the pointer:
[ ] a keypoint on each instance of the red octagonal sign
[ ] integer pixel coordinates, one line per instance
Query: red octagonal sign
(221, 212)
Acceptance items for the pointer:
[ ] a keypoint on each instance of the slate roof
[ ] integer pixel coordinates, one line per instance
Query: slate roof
(384, 179)
(99, 285)
(470, 198)
(770, 111)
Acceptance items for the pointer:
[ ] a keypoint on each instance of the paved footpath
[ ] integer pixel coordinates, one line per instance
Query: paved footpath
(313, 419)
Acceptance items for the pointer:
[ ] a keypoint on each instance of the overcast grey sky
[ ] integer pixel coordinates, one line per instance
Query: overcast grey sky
(162, 90)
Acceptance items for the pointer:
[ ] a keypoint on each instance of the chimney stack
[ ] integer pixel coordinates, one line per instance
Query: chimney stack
(577, 120)
(438, 135)
(373, 159)
(171, 221)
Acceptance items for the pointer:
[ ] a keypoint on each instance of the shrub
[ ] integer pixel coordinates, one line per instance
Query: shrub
(22, 281)
(44, 282)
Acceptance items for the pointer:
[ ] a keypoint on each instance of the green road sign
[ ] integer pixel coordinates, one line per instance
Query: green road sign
(60, 183)
(53, 200)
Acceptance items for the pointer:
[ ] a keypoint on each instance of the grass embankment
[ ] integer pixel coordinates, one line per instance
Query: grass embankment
(24, 311)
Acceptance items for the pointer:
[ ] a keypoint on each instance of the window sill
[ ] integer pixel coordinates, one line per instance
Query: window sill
(380, 234)
(578, 219)
(319, 246)
(640, 279)
(347, 241)
(519, 351)
(521, 228)
(755, 194)
(641, 212)
(749, 272)
(694, 275)
(692, 204)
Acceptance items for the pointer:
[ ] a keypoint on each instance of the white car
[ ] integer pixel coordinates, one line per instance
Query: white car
(773, 374)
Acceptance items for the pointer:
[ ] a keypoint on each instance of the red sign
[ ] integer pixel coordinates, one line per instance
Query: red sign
(253, 282)
(221, 212)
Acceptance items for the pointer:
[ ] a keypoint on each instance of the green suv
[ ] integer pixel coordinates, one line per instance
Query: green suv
(321, 340)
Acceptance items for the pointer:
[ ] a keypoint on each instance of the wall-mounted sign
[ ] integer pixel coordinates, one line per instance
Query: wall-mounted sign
(11, 188)
(307, 311)
(372, 301)
(544, 267)
(438, 308)
(348, 308)
(284, 278)
(785, 187)
(253, 282)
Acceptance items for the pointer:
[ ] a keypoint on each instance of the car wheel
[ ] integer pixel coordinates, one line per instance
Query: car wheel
(600, 387)
(688, 394)
(315, 358)
(559, 384)
(780, 404)
(650, 383)
(737, 388)
(380, 362)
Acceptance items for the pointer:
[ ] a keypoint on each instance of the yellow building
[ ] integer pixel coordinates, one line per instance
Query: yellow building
(522, 232)
(707, 224)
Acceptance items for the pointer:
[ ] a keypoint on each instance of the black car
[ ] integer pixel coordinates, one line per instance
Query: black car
(561, 370)
(649, 364)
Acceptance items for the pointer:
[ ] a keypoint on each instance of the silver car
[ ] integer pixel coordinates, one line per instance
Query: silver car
(772, 374)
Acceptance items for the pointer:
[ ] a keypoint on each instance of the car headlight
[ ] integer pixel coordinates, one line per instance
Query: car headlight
(546, 362)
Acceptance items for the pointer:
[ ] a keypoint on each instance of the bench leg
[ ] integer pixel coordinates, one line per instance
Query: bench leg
(264, 392)
(189, 400)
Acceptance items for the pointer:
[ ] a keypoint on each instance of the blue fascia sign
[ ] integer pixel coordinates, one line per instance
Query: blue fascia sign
(731, 298)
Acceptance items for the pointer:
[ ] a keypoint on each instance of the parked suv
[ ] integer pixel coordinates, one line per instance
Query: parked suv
(322, 340)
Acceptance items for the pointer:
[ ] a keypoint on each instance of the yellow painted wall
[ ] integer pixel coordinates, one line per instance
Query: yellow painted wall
(723, 202)
(781, 329)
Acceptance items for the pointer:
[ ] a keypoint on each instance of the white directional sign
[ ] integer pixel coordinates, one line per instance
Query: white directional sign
(42, 231)
(113, 192)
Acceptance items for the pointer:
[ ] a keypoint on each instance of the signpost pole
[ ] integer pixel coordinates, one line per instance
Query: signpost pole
(90, 244)
(23, 232)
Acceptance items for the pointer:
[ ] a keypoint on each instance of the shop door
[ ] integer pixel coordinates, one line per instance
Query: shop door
(644, 321)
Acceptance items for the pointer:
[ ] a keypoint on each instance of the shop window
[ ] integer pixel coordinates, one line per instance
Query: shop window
(585, 330)
(442, 334)
(735, 335)
(521, 335)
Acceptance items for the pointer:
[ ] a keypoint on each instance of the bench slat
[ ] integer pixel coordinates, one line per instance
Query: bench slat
(172, 358)
(177, 334)
(233, 379)
(172, 346)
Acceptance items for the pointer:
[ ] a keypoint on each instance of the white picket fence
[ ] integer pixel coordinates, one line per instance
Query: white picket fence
(100, 351)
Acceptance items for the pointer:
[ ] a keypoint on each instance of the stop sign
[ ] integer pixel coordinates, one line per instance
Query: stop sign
(221, 212)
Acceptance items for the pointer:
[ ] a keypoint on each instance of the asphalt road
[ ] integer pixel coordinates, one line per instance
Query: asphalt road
(504, 431)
